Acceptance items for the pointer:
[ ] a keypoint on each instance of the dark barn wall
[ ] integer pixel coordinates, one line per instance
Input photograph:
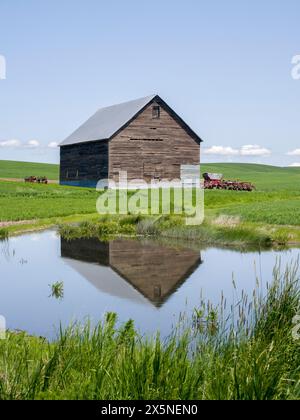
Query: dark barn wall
(152, 148)
(89, 250)
(84, 164)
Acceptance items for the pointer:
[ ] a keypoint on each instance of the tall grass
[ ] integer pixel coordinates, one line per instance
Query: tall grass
(168, 227)
(103, 229)
(3, 233)
(244, 352)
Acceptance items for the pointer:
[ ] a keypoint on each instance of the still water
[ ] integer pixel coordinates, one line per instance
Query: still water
(145, 281)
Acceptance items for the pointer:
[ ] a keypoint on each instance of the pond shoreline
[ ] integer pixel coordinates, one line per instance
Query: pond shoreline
(209, 234)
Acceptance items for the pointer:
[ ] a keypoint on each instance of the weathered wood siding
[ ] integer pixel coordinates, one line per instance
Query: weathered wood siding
(152, 148)
(155, 271)
(84, 164)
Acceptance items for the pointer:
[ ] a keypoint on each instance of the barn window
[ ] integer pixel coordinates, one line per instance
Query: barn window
(156, 112)
(157, 291)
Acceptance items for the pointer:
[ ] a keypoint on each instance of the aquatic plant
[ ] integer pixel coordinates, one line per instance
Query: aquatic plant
(57, 290)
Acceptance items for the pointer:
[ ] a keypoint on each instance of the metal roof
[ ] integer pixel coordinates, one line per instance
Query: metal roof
(107, 121)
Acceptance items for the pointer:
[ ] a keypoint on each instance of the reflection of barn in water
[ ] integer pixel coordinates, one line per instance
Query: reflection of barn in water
(153, 270)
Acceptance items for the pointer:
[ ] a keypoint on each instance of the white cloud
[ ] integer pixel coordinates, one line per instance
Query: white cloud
(295, 152)
(254, 150)
(221, 150)
(295, 165)
(10, 143)
(32, 144)
(53, 145)
(246, 150)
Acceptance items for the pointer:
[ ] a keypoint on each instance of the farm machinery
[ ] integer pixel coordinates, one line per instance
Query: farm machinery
(216, 181)
(36, 180)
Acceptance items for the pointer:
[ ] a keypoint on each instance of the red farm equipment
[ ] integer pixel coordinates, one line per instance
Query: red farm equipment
(31, 179)
(38, 180)
(216, 182)
(42, 180)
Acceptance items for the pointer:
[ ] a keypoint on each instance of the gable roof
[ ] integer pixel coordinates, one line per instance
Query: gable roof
(106, 122)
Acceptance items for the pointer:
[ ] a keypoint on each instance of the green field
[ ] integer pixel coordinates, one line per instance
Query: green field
(20, 201)
(276, 200)
(264, 177)
(12, 169)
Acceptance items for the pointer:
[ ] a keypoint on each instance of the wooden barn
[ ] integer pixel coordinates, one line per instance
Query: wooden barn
(144, 137)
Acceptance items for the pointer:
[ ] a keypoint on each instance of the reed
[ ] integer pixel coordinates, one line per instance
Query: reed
(3, 233)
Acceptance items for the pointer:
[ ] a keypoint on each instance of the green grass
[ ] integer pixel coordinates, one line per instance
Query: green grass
(168, 228)
(103, 229)
(255, 358)
(266, 178)
(13, 169)
(20, 201)
(275, 202)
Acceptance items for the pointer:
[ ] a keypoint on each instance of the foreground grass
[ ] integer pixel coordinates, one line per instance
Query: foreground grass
(246, 354)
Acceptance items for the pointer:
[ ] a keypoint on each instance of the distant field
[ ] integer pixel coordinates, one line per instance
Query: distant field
(266, 178)
(12, 169)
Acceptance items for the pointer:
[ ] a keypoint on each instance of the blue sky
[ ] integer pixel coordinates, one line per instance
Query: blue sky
(225, 67)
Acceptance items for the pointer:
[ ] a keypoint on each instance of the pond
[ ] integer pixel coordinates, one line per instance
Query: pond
(149, 282)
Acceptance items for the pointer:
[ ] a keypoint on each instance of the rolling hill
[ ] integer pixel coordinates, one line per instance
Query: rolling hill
(13, 169)
(264, 177)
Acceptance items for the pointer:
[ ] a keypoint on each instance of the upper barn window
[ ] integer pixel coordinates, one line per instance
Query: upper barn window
(156, 112)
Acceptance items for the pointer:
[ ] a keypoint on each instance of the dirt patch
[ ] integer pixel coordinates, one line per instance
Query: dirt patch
(227, 221)
(19, 222)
